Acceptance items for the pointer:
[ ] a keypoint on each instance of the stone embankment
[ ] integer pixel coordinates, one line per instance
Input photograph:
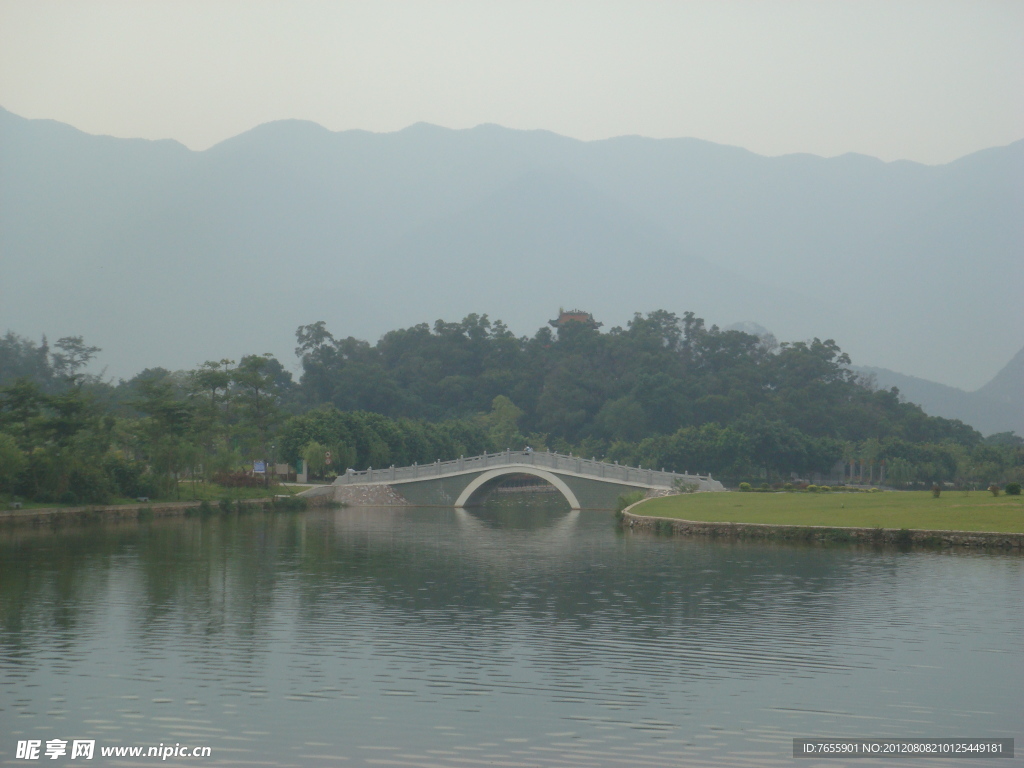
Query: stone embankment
(1013, 542)
(358, 495)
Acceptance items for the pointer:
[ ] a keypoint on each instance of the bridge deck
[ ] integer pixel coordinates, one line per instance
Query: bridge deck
(554, 462)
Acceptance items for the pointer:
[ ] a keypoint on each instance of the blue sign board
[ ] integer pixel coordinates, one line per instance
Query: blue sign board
(259, 467)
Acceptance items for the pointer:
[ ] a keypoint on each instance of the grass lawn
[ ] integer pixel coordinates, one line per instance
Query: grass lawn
(953, 511)
(214, 492)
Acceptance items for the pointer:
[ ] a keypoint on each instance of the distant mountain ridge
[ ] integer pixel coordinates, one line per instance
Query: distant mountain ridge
(998, 406)
(165, 256)
(1007, 387)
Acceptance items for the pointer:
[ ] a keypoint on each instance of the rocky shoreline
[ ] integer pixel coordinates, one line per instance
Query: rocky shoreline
(376, 495)
(903, 538)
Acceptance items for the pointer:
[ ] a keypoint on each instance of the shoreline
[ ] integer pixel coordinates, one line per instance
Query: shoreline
(142, 511)
(820, 534)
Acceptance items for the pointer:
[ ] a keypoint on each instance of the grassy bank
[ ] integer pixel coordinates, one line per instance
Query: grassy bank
(953, 511)
(214, 492)
(200, 492)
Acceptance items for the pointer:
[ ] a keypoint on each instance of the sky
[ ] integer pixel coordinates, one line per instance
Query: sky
(925, 80)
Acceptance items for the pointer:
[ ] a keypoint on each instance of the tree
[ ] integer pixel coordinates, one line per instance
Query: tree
(312, 339)
(257, 390)
(621, 419)
(901, 472)
(12, 463)
(315, 456)
(22, 405)
(212, 379)
(849, 455)
(503, 424)
(870, 452)
(23, 359)
(167, 414)
(165, 429)
(73, 354)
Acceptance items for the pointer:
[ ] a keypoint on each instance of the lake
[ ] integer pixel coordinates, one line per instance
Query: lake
(520, 634)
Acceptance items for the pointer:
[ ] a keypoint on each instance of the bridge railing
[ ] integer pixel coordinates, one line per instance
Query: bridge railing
(544, 459)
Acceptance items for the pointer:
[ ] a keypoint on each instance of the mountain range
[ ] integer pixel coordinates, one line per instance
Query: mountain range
(998, 406)
(166, 256)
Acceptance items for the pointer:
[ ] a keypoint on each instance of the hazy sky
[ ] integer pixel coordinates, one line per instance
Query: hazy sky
(928, 81)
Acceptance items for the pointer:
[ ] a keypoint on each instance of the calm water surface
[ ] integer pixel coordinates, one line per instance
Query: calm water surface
(511, 636)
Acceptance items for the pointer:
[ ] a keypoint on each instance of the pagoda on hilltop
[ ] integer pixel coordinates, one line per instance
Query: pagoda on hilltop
(574, 316)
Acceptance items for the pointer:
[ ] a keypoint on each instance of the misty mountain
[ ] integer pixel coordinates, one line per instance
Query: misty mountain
(1007, 387)
(165, 256)
(998, 406)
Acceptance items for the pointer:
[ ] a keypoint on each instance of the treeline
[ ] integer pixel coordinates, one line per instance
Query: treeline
(359, 439)
(70, 437)
(664, 391)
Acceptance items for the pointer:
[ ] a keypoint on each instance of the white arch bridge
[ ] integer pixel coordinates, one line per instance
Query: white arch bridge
(464, 482)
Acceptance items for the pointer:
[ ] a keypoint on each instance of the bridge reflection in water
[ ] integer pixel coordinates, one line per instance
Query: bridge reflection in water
(557, 526)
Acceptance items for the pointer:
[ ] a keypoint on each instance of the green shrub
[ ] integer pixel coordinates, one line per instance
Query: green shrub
(824, 489)
(627, 499)
(936, 490)
(745, 487)
(680, 485)
(787, 487)
(812, 489)
(130, 477)
(1012, 489)
(993, 489)
(89, 484)
(903, 539)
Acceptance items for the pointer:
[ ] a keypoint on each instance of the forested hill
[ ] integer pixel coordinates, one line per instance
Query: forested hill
(663, 391)
(654, 376)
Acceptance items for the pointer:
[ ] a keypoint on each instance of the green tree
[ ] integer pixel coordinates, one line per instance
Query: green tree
(211, 381)
(12, 463)
(901, 472)
(71, 356)
(315, 456)
(165, 430)
(503, 424)
(257, 389)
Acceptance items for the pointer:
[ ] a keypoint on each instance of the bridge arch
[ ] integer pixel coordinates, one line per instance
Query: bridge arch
(478, 482)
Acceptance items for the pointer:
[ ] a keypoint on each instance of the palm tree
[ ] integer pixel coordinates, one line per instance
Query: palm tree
(870, 451)
(849, 456)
